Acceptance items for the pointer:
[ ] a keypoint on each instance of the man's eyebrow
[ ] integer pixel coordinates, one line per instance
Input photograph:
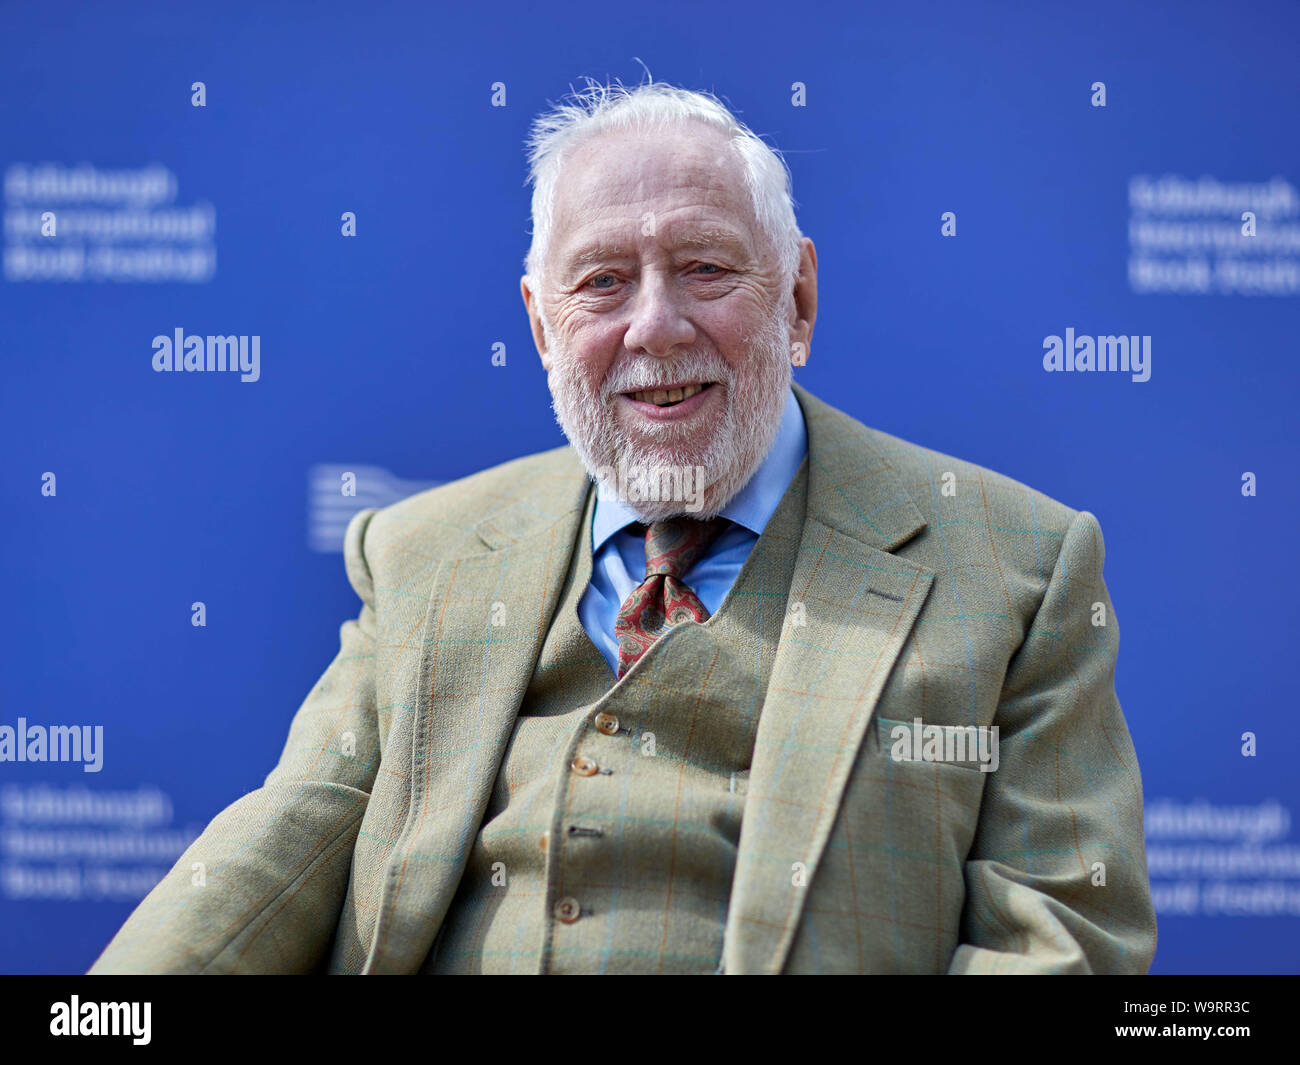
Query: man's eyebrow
(710, 238)
(597, 253)
(695, 239)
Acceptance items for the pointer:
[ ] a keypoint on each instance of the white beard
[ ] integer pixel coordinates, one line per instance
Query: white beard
(754, 395)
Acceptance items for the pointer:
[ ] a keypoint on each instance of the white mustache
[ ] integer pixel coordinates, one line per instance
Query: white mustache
(640, 374)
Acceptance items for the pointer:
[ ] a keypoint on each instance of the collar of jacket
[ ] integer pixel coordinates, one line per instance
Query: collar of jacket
(852, 488)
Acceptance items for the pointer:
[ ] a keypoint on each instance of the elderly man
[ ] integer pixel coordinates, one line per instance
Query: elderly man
(733, 684)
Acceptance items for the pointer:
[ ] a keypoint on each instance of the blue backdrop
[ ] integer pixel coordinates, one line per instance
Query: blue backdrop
(130, 212)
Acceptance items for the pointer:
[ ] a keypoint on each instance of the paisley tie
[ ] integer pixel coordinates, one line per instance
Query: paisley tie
(663, 599)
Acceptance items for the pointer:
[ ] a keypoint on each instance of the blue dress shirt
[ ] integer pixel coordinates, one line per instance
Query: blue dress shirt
(618, 556)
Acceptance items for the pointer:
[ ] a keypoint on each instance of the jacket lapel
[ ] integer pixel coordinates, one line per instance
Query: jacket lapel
(852, 606)
(487, 616)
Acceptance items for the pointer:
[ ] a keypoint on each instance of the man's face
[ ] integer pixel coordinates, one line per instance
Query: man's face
(662, 318)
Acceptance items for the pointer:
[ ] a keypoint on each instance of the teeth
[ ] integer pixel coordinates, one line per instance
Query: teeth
(660, 396)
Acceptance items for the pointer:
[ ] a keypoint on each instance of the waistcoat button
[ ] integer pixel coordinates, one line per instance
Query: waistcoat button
(584, 766)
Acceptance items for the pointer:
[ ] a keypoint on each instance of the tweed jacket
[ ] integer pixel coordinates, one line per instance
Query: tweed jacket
(927, 591)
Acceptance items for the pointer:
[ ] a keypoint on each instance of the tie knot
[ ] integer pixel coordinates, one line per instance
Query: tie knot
(672, 546)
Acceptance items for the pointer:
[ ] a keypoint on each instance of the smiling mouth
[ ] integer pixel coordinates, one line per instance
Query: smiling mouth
(667, 397)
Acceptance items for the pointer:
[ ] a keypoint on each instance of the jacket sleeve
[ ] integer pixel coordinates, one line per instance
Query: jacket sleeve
(1056, 878)
(261, 889)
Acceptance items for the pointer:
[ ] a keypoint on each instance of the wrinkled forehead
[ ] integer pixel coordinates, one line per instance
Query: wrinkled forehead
(625, 183)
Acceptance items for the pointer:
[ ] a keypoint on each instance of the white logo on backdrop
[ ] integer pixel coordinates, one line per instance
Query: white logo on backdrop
(80, 223)
(1208, 237)
(330, 506)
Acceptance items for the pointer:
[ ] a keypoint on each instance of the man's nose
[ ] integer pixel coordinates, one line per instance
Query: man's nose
(659, 324)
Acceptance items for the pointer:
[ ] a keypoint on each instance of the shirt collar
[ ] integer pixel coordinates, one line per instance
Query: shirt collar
(754, 505)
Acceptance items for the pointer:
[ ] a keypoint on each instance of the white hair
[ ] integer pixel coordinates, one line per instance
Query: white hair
(600, 108)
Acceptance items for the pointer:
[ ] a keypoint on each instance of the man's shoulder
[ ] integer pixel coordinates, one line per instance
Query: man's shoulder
(442, 522)
(931, 476)
(945, 489)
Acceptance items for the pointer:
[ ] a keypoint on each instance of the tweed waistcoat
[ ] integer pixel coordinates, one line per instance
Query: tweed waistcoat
(553, 883)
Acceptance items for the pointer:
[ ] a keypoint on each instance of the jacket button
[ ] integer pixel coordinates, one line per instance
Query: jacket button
(567, 910)
(584, 766)
(606, 723)
(545, 841)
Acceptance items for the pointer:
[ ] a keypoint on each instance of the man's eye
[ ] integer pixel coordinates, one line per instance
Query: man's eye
(713, 267)
(598, 277)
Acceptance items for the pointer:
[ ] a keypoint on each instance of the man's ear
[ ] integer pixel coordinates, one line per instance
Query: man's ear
(535, 321)
(804, 313)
